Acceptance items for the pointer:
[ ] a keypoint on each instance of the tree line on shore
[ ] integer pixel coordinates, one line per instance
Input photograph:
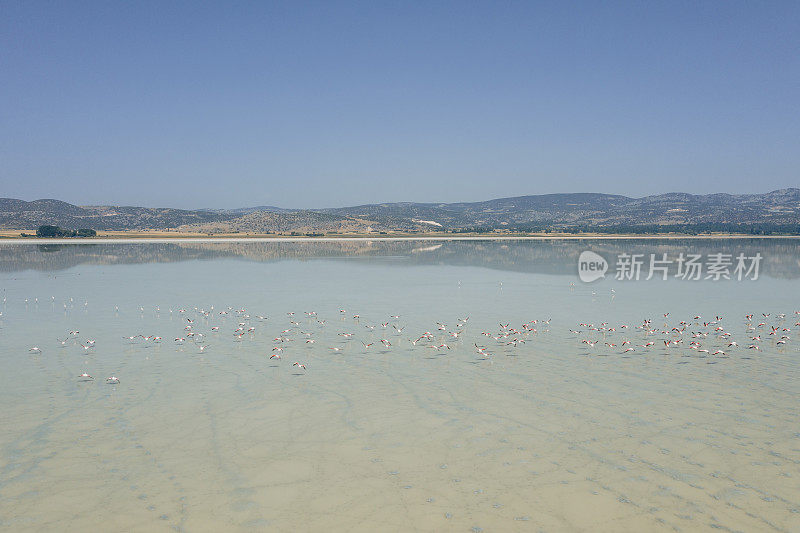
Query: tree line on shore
(765, 228)
(47, 230)
(51, 231)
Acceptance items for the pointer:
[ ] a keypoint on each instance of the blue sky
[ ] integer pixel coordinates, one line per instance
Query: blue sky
(322, 104)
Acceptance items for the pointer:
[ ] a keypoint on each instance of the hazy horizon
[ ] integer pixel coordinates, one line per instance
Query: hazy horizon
(291, 207)
(335, 104)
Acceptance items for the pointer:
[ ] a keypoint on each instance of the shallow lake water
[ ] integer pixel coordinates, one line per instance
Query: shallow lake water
(450, 386)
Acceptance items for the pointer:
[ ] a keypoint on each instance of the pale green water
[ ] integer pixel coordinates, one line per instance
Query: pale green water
(550, 435)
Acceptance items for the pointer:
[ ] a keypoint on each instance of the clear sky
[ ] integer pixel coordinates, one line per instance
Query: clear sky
(323, 104)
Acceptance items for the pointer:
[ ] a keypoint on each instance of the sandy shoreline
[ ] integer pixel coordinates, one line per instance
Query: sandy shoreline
(119, 238)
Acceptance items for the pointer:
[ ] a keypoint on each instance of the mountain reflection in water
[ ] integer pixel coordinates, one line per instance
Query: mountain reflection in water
(781, 257)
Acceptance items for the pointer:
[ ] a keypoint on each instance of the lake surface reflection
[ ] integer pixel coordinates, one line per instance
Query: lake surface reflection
(447, 385)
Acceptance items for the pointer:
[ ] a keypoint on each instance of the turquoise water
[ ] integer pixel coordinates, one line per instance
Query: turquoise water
(549, 434)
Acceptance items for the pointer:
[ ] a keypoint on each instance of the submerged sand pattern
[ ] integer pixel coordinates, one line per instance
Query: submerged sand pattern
(547, 435)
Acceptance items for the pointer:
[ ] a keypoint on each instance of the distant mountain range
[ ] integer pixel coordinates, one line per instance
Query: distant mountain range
(561, 212)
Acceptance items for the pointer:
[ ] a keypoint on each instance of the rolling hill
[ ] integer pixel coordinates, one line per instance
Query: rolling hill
(585, 211)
